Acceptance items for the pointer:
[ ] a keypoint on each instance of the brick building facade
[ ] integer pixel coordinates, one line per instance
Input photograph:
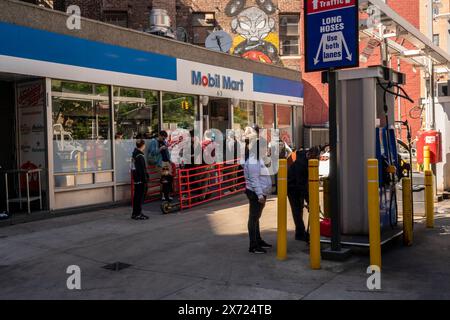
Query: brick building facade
(197, 18)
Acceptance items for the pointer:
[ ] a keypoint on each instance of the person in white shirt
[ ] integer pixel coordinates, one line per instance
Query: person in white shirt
(258, 185)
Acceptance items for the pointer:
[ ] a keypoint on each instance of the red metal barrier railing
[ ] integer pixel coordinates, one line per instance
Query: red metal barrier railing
(153, 184)
(205, 183)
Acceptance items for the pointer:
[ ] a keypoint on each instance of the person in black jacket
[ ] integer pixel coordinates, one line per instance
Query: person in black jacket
(298, 189)
(140, 178)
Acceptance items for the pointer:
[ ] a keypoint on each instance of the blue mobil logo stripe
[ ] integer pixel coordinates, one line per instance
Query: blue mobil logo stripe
(24, 42)
(273, 85)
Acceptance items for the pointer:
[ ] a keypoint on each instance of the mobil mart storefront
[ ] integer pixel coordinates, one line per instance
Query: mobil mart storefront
(74, 106)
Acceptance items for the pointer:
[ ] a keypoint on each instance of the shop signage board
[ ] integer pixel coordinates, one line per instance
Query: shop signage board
(213, 81)
(31, 123)
(203, 79)
(331, 34)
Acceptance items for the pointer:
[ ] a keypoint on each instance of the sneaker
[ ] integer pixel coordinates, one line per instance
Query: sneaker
(170, 198)
(257, 250)
(163, 199)
(264, 244)
(139, 217)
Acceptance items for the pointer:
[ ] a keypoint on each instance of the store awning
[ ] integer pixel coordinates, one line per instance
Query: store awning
(396, 27)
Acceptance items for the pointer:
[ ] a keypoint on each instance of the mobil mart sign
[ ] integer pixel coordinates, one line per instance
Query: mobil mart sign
(331, 34)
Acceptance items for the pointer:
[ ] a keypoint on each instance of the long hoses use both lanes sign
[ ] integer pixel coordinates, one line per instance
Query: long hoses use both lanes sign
(331, 34)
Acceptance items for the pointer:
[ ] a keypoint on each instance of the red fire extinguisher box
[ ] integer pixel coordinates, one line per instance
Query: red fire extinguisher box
(433, 139)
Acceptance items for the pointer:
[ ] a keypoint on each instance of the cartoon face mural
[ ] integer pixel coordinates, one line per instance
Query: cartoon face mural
(256, 39)
(253, 24)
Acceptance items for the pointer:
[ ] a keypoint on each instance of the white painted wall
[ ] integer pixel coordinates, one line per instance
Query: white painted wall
(443, 125)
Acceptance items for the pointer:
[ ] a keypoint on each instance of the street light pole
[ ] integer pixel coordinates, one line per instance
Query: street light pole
(430, 114)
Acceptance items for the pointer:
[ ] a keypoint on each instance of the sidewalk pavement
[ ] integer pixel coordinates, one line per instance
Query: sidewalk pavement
(202, 254)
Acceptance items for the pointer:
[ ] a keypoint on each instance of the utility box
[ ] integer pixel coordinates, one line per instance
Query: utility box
(432, 139)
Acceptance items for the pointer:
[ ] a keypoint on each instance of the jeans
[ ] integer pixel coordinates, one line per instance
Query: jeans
(138, 198)
(255, 212)
(297, 200)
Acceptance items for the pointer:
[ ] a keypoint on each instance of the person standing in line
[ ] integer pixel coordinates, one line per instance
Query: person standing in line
(158, 150)
(140, 179)
(298, 189)
(258, 186)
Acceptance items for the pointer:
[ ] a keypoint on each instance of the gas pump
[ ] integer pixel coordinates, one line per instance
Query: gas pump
(365, 104)
(390, 170)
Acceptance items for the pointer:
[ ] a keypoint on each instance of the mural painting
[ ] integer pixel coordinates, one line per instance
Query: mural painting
(254, 27)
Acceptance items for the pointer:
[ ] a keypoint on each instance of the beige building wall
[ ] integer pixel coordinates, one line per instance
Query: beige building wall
(441, 27)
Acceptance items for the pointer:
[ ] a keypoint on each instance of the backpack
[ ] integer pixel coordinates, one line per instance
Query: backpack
(132, 164)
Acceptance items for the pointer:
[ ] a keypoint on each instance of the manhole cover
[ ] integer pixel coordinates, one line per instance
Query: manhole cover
(117, 266)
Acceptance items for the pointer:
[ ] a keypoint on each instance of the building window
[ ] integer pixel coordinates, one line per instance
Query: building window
(436, 39)
(202, 24)
(118, 18)
(81, 127)
(136, 114)
(289, 34)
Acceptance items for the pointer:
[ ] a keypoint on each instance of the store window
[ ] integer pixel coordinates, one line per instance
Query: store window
(81, 127)
(284, 123)
(179, 111)
(243, 115)
(265, 117)
(136, 115)
(289, 34)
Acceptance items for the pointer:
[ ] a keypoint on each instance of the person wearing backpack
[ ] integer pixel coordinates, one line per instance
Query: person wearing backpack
(140, 179)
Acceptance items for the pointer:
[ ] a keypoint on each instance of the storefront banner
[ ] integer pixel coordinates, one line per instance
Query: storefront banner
(203, 79)
(31, 123)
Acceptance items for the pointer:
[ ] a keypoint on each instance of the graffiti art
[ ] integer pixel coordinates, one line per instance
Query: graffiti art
(256, 37)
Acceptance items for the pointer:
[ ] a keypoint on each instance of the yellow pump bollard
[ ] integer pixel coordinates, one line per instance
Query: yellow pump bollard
(374, 212)
(426, 158)
(326, 197)
(429, 199)
(407, 212)
(314, 217)
(282, 210)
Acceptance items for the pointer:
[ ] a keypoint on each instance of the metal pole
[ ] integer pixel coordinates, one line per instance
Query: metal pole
(282, 210)
(374, 212)
(426, 158)
(314, 217)
(28, 192)
(7, 193)
(429, 199)
(431, 123)
(407, 212)
(432, 98)
(334, 163)
(40, 189)
(399, 104)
